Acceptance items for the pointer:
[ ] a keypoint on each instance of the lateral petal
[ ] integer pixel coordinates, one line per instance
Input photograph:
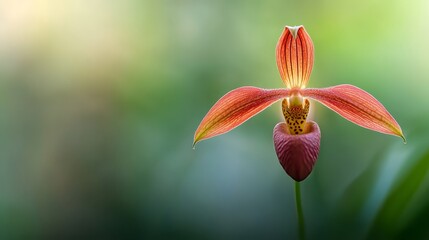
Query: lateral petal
(234, 108)
(357, 106)
(295, 56)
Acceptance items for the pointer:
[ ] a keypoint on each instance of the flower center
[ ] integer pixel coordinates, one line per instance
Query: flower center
(295, 110)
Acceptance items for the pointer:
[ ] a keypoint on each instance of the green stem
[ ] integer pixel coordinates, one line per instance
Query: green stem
(301, 225)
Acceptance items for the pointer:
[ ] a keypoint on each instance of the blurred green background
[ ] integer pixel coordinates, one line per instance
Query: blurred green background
(99, 101)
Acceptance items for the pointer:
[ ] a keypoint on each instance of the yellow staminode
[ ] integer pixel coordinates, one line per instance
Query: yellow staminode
(295, 114)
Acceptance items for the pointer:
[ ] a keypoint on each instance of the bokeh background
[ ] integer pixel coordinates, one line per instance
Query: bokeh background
(99, 101)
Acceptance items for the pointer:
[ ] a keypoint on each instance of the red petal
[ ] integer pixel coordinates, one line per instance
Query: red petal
(234, 108)
(295, 56)
(357, 106)
(297, 153)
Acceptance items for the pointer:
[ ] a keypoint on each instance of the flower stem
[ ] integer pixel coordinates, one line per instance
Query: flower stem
(301, 225)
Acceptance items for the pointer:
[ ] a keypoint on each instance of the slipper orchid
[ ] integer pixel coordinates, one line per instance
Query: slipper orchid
(296, 140)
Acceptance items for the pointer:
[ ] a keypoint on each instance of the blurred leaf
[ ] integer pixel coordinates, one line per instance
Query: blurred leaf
(390, 216)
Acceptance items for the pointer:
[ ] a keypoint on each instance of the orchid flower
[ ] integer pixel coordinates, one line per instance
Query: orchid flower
(296, 140)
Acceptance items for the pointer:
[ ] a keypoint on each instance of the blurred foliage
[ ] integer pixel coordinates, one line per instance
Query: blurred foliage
(99, 101)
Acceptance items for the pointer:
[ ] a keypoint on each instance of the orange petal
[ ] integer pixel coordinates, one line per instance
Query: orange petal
(295, 56)
(357, 106)
(234, 108)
